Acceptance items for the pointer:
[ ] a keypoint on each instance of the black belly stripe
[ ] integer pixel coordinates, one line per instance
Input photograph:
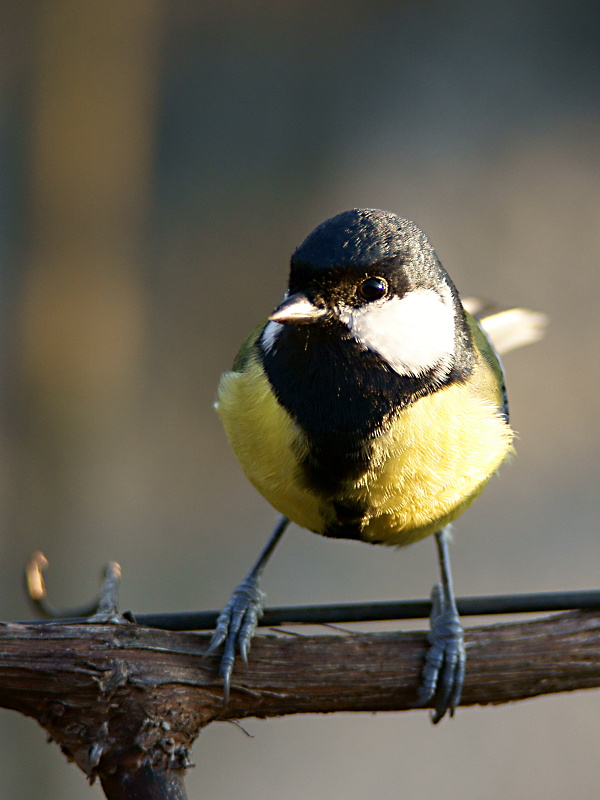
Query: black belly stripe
(329, 465)
(342, 397)
(349, 521)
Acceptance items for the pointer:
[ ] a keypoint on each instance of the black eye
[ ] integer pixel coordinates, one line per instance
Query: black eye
(372, 289)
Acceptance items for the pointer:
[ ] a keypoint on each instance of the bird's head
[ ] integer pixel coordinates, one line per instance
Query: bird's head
(375, 278)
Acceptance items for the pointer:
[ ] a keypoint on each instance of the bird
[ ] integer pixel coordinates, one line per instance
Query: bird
(370, 405)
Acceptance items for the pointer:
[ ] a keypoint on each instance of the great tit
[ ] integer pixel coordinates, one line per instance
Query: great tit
(370, 405)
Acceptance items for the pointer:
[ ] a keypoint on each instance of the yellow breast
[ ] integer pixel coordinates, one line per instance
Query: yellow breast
(267, 443)
(426, 469)
(431, 465)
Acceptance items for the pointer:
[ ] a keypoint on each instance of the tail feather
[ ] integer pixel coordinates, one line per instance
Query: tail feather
(510, 329)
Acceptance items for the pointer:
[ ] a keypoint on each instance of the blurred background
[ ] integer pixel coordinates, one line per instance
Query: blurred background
(159, 161)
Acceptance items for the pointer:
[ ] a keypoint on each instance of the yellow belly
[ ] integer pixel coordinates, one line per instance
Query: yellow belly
(426, 470)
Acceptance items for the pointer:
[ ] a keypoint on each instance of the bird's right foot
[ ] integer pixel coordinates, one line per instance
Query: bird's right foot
(236, 625)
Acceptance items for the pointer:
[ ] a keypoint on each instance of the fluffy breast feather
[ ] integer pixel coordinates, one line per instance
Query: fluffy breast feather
(267, 443)
(431, 465)
(426, 468)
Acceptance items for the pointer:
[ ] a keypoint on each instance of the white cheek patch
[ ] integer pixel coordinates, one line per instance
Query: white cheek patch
(270, 334)
(413, 334)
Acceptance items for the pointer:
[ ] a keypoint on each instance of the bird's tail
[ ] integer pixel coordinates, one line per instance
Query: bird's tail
(510, 329)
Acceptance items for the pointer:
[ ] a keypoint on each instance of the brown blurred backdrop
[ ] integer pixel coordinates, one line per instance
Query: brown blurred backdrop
(159, 161)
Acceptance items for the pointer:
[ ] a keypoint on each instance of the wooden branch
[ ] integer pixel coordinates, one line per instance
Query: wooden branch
(126, 703)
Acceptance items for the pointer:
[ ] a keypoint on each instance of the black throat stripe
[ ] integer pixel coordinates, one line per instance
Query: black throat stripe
(341, 395)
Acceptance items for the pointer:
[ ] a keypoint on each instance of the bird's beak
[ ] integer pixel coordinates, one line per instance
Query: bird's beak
(297, 310)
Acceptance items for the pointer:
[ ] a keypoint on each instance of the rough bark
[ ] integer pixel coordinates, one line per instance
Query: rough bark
(126, 702)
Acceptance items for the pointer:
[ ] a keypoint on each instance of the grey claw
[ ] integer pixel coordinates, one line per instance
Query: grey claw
(236, 625)
(444, 670)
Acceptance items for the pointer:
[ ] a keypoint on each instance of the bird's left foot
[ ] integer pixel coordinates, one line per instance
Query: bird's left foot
(444, 671)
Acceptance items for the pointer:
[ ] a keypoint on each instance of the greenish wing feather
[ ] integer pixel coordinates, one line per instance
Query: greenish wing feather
(489, 379)
(246, 350)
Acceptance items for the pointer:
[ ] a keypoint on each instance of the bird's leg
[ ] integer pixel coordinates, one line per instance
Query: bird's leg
(238, 620)
(444, 670)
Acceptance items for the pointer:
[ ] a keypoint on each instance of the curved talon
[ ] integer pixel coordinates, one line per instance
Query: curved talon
(444, 669)
(236, 625)
(238, 620)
